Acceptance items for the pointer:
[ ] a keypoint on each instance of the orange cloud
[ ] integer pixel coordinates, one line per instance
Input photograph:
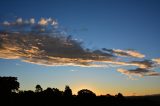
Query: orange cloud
(43, 22)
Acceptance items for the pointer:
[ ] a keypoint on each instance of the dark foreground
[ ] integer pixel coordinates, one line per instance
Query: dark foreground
(79, 101)
(10, 95)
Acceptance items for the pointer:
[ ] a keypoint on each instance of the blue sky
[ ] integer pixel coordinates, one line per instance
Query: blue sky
(112, 24)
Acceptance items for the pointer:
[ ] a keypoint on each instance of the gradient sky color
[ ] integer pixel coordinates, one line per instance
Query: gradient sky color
(119, 24)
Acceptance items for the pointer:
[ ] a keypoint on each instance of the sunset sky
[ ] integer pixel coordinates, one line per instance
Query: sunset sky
(107, 46)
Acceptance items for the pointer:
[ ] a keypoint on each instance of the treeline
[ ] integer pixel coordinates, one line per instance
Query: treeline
(9, 94)
(10, 85)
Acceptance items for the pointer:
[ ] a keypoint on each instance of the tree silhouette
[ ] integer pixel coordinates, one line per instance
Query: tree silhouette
(67, 91)
(48, 92)
(119, 96)
(52, 92)
(38, 88)
(57, 92)
(54, 96)
(8, 85)
(86, 93)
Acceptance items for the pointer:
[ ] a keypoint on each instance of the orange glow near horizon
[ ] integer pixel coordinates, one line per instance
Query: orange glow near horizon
(104, 90)
(125, 92)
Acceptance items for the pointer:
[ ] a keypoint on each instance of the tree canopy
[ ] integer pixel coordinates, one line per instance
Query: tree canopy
(67, 91)
(86, 93)
(8, 85)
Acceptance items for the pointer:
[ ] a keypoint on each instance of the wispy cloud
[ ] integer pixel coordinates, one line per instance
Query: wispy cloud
(143, 64)
(138, 72)
(145, 68)
(125, 53)
(17, 64)
(73, 70)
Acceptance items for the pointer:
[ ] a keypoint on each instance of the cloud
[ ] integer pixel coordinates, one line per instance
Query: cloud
(6, 23)
(125, 53)
(43, 22)
(19, 21)
(157, 60)
(73, 70)
(43, 43)
(44, 25)
(138, 72)
(145, 68)
(32, 21)
(45, 49)
(40, 48)
(143, 64)
(39, 43)
(17, 64)
(52, 21)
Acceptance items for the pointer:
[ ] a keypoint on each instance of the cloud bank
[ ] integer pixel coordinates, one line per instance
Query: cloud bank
(41, 42)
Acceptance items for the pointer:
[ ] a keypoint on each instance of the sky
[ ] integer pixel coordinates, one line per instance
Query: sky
(107, 46)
